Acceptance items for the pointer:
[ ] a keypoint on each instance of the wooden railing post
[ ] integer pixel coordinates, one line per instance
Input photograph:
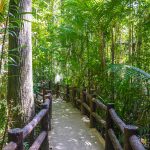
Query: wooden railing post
(50, 109)
(93, 110)
(128, 132)
(83, 100)
(109, 125)
(74, 93)
(67, 93)
(48, 96)
(16, 135)
(44, 92)
(45, 127)
(57, 90)
(50, 85)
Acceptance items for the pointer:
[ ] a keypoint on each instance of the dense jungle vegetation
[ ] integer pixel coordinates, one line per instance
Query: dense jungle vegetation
(97, 44)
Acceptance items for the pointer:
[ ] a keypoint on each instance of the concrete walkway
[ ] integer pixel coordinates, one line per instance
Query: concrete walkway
(70, 130)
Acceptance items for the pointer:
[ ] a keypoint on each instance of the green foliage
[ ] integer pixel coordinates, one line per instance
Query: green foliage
(96, 43)
(3, 106)
(3, 112)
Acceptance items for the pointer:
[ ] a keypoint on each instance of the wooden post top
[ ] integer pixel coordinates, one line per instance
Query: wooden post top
(110, 105)
(131, 129)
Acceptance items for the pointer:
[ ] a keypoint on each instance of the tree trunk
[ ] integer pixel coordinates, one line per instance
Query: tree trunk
(20, 84)
(101, 50)
(112, 62)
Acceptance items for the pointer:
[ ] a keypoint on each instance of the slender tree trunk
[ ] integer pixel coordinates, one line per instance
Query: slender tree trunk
(102, 59)
(112, 61)
(88, 62)
(101, 51)
(20, 84)
(138, 49)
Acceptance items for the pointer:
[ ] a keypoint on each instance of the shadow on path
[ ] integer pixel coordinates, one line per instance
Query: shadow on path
(70, 130)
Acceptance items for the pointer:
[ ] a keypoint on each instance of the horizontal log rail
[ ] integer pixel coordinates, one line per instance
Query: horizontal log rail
(116, 119)
(17, 136)
(135, 143)
(100, 105)
(88, 104)
(99, 119)
(10, 146)
(36, 120)
(86, 107)
(38, 142)
(114, 140)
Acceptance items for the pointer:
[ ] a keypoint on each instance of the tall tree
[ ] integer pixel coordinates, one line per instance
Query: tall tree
(20, 84)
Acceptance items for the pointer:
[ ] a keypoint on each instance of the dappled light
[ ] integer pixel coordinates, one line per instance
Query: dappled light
(71, 130)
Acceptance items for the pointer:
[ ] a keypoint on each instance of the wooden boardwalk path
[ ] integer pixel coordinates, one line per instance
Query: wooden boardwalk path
(70, 130)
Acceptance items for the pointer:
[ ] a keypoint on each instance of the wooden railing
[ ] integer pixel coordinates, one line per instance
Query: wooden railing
(90, 106)
(17, 136)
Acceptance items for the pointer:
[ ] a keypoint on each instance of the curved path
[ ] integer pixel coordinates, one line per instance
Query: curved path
(70, 130)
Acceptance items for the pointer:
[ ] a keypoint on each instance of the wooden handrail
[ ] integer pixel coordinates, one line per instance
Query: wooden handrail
(17, 136)
(131, 141)
(99, 119)
(100, 104)
(10, 146)
(121, 125)
(135, 143)
(38, 142)
(29, 127)
(114, 140)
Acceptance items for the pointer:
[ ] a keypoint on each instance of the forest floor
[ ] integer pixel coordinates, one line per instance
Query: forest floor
(70, 130)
